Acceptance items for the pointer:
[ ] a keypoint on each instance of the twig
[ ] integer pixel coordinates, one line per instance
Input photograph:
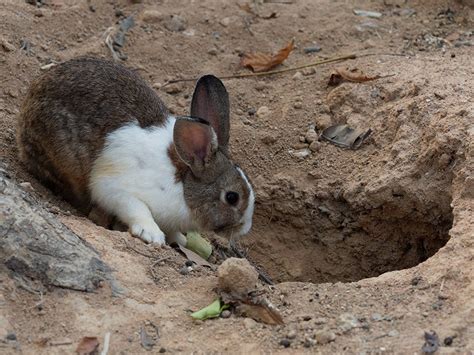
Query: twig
(160, 260)
(248, 75)
(138, 251)
(324, 61)
(105, 350)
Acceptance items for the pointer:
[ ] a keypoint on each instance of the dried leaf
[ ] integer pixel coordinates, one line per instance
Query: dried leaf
(194, 257)
(214, 310)
(264, 313)
(340, 75)
(88, 346)
(260, 62)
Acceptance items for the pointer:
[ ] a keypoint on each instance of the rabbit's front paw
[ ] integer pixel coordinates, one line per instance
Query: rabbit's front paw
(149, 232)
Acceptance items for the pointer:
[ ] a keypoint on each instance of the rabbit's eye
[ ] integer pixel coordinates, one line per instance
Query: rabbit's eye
(232, 198)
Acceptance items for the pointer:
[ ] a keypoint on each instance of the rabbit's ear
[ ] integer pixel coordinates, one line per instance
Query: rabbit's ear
(195, 142)
(211, 103)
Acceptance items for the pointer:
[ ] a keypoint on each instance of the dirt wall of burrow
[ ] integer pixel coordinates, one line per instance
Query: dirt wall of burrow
(345, 215)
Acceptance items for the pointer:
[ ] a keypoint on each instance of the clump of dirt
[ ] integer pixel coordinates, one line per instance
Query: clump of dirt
(402, 201)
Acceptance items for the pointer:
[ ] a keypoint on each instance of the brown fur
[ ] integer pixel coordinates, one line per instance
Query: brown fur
(67, 114)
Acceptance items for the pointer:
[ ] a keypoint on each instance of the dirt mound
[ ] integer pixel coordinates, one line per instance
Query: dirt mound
(325, 216)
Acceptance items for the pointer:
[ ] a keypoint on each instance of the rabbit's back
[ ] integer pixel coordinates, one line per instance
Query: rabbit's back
(68, 113)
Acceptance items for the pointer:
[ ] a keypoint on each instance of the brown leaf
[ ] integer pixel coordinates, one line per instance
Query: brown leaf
(263, 312)
(195, 257)
(340, 75)
(88, 346)
(260, 62)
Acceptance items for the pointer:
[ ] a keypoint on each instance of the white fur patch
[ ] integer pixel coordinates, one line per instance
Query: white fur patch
(135, 167)
(248, 214)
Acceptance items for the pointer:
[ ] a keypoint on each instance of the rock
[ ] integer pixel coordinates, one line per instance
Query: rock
(251, 111)
(249, 323)
(152, 16)
(324, 336)
(320, 320)
(226, 21)
(226, 314)
(393, 333)
(173, 89)
(175, 23)
(157, 85)
(7, 46)
(212, 51)
(302, 153)
(376, 317)
(291, 334)
(315, 146)
(185, 270)
(309, 342)
(268, 139)
(263, 112)
(285, 342)
(298, 76)
(311, 136)
(309, 71)
(237, 276)
(298, 105)
(323, 121)
(347, 321)
(312, 49)
(162, 350)
(260, 86)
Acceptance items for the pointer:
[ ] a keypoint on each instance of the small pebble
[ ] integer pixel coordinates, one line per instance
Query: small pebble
(189, 263)
(298, 75)
(298, 105)
(118, 13)
(315, 146)
(212, 51)
(225, 21)
(249, 323)
(393, 333)
(312, 49)
(309, 342)
(320, 321)
(311, 136)
(7, 46)
(152, 16)
(309, 71)
(448, 341)
(291, 334)
(184, 270)
(324, 336)
(251, 111)
(285, 342)
(226, 314)
(162, 350)
(376, 317)
(175, 23)
(11, 336)
(173, 89)
(92, 8)
(263, 112)
(306, 318)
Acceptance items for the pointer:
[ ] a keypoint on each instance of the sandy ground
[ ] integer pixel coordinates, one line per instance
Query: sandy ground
(331, 228)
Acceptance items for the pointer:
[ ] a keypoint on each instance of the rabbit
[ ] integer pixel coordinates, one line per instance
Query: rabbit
(98, 134)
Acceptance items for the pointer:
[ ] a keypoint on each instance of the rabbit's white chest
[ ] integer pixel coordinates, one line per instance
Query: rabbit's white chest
(135, 164)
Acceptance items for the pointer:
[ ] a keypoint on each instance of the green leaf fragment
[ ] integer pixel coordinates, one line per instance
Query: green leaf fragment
(214, 310)
(199, 245)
